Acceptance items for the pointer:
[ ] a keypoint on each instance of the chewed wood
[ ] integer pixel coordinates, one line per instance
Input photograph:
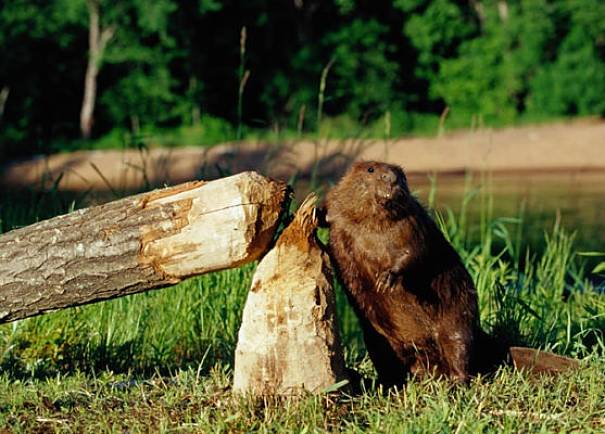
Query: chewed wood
(288, 342)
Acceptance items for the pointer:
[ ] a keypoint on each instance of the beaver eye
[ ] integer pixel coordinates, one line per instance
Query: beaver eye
(371, 169)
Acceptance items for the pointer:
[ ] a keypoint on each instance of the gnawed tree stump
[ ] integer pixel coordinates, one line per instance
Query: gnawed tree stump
(138, 243)
(288, 342)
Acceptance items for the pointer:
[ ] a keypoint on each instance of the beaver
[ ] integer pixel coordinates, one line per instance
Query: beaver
(415, 300)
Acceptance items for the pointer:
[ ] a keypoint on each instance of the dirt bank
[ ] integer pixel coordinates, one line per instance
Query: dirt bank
(578, 145)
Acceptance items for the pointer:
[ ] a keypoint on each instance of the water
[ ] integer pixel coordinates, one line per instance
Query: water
(576, 198)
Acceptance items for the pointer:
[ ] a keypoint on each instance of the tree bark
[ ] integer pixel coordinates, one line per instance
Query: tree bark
(97, 41)
(138, 243)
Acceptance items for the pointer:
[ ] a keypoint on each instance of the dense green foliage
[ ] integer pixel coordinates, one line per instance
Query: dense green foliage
(171, 63)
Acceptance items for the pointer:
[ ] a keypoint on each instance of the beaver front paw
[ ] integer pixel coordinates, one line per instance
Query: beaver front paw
(386, 280)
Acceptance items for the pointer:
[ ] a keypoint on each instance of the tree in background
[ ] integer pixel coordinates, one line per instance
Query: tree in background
(572, 82)
(491, 72)
(541, 57)
(356, 39)
(97, 41)
(140, 46)
(168, 63)
(436, 29)
(363, 76)
(39, 67)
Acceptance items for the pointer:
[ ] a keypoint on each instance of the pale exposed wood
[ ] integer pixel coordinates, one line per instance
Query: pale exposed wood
(138, 243)
(288, 342)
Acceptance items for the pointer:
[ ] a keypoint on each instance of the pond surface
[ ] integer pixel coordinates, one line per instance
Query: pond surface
(578, 198)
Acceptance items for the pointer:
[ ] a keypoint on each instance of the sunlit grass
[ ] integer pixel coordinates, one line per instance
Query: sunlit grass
(162, 360)
(186, 401)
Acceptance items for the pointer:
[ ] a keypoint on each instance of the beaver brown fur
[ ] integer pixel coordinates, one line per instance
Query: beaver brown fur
(416, 302)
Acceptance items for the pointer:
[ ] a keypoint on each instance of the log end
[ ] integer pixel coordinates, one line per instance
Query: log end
(270, 195)
(211, 226)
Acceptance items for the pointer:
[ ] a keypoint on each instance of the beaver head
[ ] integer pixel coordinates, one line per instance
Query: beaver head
(371, 189)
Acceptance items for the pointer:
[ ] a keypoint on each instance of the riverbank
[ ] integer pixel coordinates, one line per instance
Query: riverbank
(569, 146)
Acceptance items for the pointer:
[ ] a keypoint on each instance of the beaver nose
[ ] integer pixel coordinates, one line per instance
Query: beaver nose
(389, 177)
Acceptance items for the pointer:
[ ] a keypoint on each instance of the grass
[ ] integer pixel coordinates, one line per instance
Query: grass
(188, 402)
(162, 361)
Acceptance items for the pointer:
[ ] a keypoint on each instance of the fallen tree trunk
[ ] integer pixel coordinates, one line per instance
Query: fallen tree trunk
(138, 243)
